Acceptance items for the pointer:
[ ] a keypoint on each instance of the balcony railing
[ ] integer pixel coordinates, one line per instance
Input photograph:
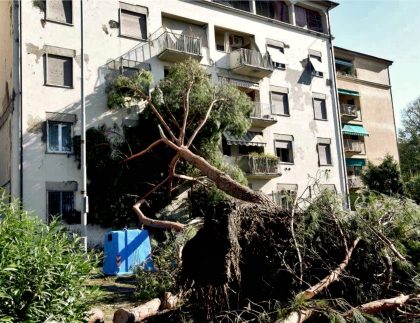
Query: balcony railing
(263, 165)
(250, 63)
(355, 182)
(177, 47)
(261, 115)
(349, 110)
(353, 146)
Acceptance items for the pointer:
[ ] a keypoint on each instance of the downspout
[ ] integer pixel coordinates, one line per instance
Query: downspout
(341, 155)
(85, 205)
(393, 115)
(20, 113)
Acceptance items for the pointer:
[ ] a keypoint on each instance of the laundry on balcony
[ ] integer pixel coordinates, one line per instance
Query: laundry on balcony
(354, 130)
(348, 92)
(249, 139)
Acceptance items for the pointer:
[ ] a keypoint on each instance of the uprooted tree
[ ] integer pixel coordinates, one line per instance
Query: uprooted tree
(312, 263)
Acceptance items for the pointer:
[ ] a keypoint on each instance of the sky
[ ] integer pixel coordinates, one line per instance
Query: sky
(388, 29)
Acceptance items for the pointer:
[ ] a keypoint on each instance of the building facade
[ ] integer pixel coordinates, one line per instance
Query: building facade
(366, 108)
(278, 52)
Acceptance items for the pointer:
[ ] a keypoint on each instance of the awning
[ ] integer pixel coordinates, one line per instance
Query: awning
(276, 54)
(316, 64)
(354, 130)
(348, 92)
(249, 139)
(343, 63)
(355, 162)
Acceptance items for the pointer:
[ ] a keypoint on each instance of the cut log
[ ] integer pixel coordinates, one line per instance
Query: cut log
(384, 304)
(95, 315)
(137, 314)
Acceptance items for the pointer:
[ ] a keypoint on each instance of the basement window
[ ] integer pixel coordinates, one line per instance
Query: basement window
(133, 21)
(59, 11)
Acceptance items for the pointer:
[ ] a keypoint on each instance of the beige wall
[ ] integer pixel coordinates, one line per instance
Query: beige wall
(6, 88)
(376, 112)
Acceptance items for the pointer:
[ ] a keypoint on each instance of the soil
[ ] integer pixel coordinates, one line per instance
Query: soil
(118, 293)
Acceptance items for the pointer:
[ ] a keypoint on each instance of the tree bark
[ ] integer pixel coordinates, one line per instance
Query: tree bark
(95, 315)
(384, 304)
(137, 314)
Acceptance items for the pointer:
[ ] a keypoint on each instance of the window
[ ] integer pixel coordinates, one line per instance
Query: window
(220, 40)
(285, 195)
(344, 67)
(309, 19)
(279, 103)
(277, 56)
(315, 62)
(283, 145)
(59, 137)
(59, 11)
(320, 109)
(59, 70)
(133, 21)
(237, 4)
(277, 10)
(60, 204)
(324, 152)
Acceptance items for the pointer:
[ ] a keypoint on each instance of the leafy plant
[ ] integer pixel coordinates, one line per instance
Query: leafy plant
(43, 270)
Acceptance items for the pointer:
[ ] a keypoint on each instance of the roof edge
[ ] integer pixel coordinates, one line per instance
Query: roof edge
(384, 60)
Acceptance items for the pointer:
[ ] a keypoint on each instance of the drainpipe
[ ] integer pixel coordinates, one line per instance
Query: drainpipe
(20, 102)
(85, 204)
(342, 166)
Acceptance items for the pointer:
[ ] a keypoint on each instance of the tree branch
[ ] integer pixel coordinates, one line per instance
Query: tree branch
(389, 243)
(384, 304)
(154, 144)
(388, 278)
(332, 277)
(186, 112)
(203, 122)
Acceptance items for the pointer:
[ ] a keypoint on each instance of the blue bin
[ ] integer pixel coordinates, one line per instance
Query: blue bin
(126, 249)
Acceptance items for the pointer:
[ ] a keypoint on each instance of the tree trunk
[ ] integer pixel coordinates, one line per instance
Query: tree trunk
(223, 181)
(385, 304)
(137, 314)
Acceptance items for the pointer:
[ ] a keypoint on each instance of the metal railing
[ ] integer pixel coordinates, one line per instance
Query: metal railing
(261, 110)
(263, 165)
(353, 145)
(250, 57)
(349, 109)
(179, 42)
(355, 182)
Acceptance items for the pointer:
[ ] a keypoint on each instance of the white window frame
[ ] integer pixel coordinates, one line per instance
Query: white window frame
(291, 153)
(60, 137)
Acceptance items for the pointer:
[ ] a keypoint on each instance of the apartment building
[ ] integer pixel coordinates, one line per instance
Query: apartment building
(278, 52)
(366, 109)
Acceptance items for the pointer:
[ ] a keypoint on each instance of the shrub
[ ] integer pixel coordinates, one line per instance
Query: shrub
(412, 188)
(43, 270)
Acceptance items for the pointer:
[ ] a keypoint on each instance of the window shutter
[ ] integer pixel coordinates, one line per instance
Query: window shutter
(322, 153)
(60, 70)
(133, 24)
(282, 144)
(60, 10)
(320, 109)
(279, 104)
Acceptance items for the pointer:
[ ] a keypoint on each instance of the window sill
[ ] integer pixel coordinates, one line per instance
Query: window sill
(59, 22)
(60, 86)
(132, 38)
(325, 165)
(320, 119)
(281, 115)
(59, 152)
(286, 163)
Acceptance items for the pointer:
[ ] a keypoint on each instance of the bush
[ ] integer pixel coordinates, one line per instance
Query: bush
(43, 271)
(412, 188)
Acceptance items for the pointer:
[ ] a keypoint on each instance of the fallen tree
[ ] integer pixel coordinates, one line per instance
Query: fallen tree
(255, 250)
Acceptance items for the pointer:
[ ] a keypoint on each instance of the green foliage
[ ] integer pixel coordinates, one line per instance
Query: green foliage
(43, 271)
(384, 178)
(166, 262)
(264, 155)
(409, 140)
(412, 188)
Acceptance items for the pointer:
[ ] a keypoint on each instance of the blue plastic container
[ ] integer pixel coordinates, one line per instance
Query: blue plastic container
(126, 249)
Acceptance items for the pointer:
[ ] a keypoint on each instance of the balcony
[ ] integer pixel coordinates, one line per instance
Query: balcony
(261, 115)
(259, 167)
(353, 146)
(174, 47)
(250, 62)
(349, 111)
(355, 182)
